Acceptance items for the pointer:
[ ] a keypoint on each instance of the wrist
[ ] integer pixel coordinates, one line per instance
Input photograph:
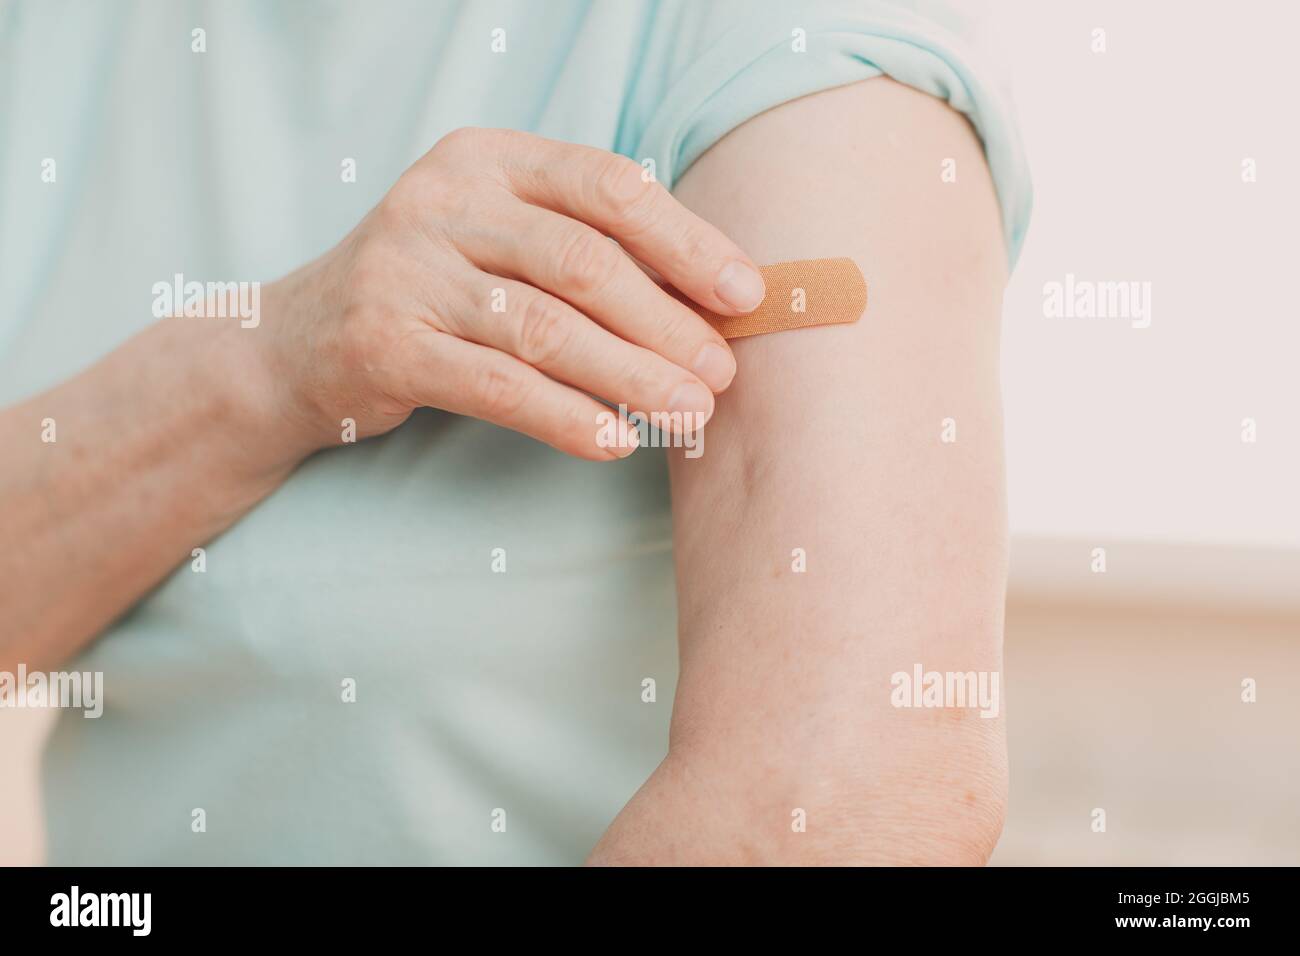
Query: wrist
(241, 395)
(296, 387)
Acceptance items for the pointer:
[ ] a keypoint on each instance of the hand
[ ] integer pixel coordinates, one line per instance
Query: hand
(485, 284)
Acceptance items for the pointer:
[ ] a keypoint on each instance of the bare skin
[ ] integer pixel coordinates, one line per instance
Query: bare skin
(483, 284)
(829, 442)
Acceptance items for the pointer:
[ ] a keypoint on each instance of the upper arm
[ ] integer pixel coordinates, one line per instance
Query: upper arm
(830, 441)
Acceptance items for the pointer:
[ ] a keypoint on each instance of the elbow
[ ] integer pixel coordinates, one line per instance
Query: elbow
(927, 826)
(936, 799)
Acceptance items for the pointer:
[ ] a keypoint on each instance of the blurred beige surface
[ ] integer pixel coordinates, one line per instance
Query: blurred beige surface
(1136, 710)
(21, 734)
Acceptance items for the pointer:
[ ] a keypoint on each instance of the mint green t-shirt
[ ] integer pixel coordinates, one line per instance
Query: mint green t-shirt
(499, 609)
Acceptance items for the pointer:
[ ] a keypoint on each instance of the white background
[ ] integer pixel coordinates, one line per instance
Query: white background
(1122, 433)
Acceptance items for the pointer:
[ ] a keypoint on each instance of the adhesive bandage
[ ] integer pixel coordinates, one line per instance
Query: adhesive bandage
(800, 294)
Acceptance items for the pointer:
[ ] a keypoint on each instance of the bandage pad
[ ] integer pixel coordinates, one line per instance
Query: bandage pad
(828, 291)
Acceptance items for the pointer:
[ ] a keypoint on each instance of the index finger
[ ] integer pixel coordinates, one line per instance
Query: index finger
(611, 193)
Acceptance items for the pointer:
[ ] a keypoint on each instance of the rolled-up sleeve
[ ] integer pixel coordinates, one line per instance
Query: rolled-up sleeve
(708, 67)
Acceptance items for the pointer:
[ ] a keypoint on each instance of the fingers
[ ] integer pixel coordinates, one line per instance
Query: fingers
(552, 336)
(611, 193)
(576, 263)
(499, 388)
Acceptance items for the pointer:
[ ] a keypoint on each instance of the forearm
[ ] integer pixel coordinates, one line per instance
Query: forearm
(157, 448)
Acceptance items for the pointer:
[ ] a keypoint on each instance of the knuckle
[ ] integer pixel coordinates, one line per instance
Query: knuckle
(425, 205)
(623, 193)
(694, 250)
(504, 139)
(460, 141)
(473, 147)
(644, 383)
(587, 261)
(681, 332)
(501, 393)
(543, 333)
(419, 193)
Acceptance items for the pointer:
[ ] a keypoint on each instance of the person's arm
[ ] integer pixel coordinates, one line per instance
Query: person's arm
(156, 449)
(484, 284)
(830, 441)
